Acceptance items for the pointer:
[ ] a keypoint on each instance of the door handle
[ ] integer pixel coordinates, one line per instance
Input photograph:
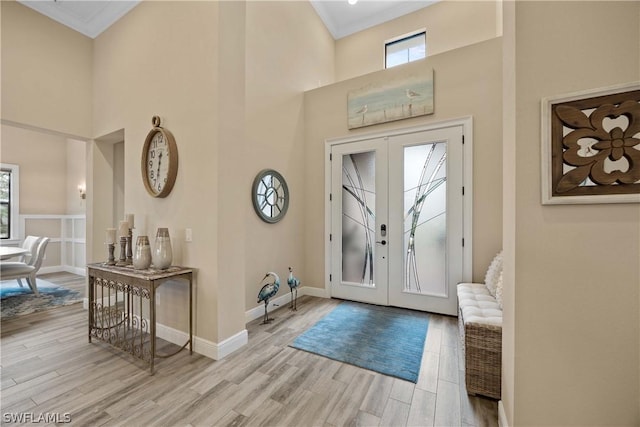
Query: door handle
(382, 242)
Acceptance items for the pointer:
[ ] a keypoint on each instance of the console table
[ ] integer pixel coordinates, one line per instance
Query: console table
(118, 314)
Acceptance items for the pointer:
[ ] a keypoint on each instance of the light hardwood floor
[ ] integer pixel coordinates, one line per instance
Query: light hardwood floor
(49, 367)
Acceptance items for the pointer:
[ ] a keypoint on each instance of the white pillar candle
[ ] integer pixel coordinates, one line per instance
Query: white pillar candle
(123, 230)
(129, 219)
(111, 236)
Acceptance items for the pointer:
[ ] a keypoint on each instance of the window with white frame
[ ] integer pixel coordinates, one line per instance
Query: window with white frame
(9, 184)
(407, 48)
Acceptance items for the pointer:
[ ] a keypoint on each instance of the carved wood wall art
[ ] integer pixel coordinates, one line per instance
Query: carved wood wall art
(591, 147)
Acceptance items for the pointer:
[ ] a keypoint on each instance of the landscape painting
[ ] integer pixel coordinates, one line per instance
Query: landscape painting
(392, 100)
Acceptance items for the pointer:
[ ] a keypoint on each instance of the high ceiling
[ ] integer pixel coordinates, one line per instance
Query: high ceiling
(92, 17)
(89, 17)
(343, 19)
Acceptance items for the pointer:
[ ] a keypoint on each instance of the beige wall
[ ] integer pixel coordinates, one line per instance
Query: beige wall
(51, 167)
(460, 91)
(449, 25)
(105, 191)
(118, 180)
(100, 189)
(275, 128)
(234, 105)
(230, 178)
(46, 72)
(140, 72)
(43, 169)
(76, 170)
(508, 206)
(574, 330)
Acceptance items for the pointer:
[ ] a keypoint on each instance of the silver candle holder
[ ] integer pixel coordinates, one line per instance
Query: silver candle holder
(130, 247)
(112, 260)
(123, 252)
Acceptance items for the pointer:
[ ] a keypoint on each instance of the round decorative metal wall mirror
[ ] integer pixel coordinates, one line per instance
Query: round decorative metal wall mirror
(270, 196)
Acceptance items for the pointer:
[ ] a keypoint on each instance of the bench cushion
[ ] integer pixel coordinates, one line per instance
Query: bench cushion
(477, 305)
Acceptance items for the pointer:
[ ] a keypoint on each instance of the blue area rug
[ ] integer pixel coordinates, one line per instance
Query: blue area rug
(17, 301)
(388, 340)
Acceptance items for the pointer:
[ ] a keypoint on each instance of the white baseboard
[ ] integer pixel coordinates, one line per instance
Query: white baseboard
(316, 292)
(258, 312)
(231, 344)
(52, 269)
(110, 301)
(217, 351)
(80, 271)
(502, 415)
(212, 350)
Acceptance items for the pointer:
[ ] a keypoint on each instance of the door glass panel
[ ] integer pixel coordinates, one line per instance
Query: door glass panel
(358, 217)
(425, 220)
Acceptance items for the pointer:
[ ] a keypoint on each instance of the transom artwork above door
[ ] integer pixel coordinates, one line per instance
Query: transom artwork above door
(398, 216)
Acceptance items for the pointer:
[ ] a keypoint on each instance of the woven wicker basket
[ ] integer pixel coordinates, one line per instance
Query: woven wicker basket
(482, 357)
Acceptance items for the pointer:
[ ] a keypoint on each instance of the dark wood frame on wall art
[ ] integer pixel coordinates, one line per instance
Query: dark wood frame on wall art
(591, 146)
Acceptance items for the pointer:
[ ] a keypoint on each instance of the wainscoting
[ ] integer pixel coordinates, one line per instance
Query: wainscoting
(67, 248)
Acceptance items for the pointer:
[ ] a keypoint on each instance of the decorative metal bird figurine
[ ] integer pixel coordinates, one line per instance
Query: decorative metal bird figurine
(268, 291)
(293, 283)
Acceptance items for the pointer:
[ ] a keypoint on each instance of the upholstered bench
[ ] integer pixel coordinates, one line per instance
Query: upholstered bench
(480, 322)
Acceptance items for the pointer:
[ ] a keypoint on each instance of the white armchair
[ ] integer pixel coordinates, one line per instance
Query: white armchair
(31, 244)
(20, 270)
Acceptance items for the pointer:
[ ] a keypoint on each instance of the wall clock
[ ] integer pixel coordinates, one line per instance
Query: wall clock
(159, 160)
(270, 196)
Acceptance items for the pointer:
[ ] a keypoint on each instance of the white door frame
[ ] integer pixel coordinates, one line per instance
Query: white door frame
(467, 125)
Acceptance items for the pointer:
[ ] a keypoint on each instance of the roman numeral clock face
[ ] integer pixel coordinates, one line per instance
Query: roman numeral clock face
(159, 161)
(270, 196)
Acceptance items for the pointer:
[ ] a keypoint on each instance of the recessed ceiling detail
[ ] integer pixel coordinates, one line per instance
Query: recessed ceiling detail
(343, 19)
(92, 17)
(89, 17)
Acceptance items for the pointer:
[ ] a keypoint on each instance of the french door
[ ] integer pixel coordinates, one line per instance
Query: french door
(359, 250)
(397, 219)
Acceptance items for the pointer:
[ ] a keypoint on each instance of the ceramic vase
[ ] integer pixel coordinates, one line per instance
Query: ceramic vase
(162, 254)
(142, 254)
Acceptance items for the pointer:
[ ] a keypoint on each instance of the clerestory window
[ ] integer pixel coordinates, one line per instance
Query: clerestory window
(405, 49)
